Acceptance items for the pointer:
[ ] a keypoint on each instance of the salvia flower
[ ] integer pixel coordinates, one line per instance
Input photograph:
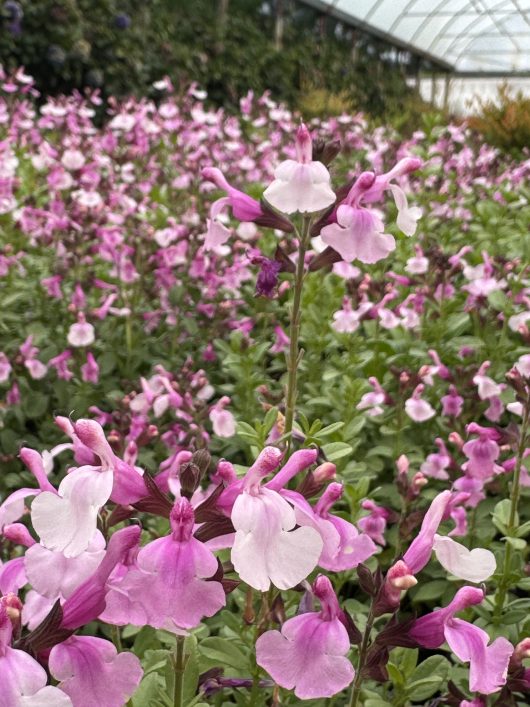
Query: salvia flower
(171, 586)
(23, 682)
(309, 654)
(301, 185)
(267, 547)
(488, 663)
(92, 673)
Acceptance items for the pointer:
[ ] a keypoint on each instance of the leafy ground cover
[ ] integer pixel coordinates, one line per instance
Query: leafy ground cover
(181, 317)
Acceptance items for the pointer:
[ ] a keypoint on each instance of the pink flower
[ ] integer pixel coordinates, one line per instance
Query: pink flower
(54, 575)
(417, 408)
(346, 320)
(371, 402)
(344, 547)
(66, 520)
(436, 464)
(224, 424)
(309, 655)
(92, 673)
(5, 368)
(281, 342)
(22, 679)
(374, 524)
(171, 586)
(358, 232)
(301, 185)
(88, 600)
(488, 663)
(475, 565)
(90, 369)
(81, 333)
(407, 216)
(523, 365)
(487, 388)
(267, 547)
(244, 208)
(482, 453)
(452, 403)
(128, 485)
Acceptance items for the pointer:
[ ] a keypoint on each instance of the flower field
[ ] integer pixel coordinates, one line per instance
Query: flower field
(265, 408)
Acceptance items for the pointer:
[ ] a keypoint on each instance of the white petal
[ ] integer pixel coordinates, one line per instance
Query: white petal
(471, 565)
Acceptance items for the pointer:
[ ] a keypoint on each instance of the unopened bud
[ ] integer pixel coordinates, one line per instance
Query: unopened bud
(456, 439)
(418, 482)
(402, 464)
(325, 151)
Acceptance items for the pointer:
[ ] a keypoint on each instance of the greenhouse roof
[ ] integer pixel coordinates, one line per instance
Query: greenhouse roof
(461, 36)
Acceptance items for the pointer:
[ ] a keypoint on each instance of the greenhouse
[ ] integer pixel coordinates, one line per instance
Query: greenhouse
(264, 353)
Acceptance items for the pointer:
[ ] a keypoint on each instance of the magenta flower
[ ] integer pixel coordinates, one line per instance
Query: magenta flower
(374, 524)
(172, 585)
(267, 547)
(309, 654)
(488, 664)
(452, 403)
(435, 466)
(303, 184)
(92, 673)
(87, 601)
(244, 208)
(90, 369)
(482, 453)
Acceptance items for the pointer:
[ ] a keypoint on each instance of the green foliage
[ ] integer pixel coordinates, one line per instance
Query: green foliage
(123, 46)
(504, 121)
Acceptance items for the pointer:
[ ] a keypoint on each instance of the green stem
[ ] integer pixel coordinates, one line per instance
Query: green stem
(178, 666)
(356, 692)
(504, 584)
(293, 358)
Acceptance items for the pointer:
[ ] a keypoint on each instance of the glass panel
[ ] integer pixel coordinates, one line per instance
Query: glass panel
(470, 34)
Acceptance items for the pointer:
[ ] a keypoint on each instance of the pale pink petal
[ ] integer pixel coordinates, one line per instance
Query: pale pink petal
(67, 522)
(266, 547)
(308, 655)
(407, 216)
(53, 575)
(471, 565)
(488, 665)
(358, 235)
(300, 187)
(24, 683)
(93, 674)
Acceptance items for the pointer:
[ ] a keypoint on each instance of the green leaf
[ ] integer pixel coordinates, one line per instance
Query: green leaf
(523, 529)
(428, 677)
(395, 674)
(330, 429)
(501, 515)
(430, 590)
(406, 659)
(516, 543)
(222, 652)
(35, 404)
(336, 450)
(150, 692)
